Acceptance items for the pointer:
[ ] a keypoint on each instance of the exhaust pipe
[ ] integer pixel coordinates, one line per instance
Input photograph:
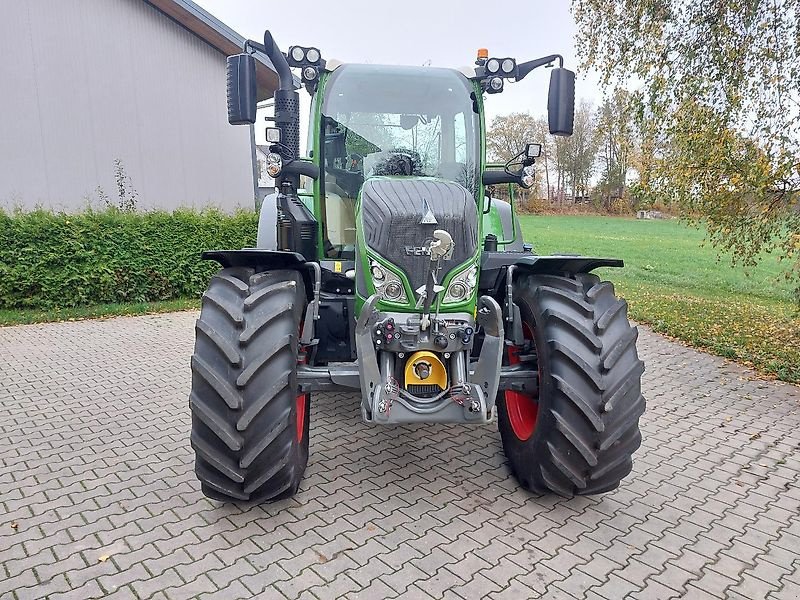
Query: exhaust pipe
(279, 62)
(287, 107)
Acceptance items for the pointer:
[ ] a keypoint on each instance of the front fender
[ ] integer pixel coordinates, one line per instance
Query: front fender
(271, 260)
(257, 258)
(493, 265)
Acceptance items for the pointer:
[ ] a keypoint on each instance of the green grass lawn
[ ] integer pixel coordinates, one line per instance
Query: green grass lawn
(682, 289)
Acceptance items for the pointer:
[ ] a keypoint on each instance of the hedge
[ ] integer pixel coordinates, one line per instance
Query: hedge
(60, 260)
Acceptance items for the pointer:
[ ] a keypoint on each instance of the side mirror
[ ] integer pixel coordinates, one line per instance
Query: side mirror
(561, 101)
(241, 89)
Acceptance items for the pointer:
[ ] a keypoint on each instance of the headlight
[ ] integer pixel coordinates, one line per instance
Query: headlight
(387, 284)
(310, 74)
(393, 291)
(457, 291)
(312, 55)
(274, 164)
(528, 176)
(378, 274)
(273, 135)
(461, 286)
(495, 85)
(527, 181)
(493, 65)
(508, 66)
(298, 54)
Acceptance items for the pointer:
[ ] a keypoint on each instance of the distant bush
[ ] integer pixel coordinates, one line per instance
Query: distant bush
(620, 206)
(60, 260)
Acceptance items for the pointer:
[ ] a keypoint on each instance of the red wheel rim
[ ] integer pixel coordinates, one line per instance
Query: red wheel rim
(301, 415)
(523, 409)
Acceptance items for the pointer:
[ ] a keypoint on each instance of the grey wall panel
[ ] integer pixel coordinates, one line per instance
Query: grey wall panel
(21, 144)
(86, 82)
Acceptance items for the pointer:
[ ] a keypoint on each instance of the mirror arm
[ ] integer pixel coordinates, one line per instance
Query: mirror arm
(248, 44)
(526, 67)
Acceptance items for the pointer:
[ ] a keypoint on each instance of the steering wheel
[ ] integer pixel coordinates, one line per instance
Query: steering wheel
(400, 161)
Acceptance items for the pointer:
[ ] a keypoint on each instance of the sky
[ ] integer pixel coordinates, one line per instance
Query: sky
(419, 32)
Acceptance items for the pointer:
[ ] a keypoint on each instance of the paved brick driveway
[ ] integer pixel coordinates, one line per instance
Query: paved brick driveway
(98, 498)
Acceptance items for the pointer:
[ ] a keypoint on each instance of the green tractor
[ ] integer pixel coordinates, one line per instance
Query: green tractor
(384, 265)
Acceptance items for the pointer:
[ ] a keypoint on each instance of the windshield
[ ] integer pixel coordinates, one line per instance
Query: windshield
(386, 120)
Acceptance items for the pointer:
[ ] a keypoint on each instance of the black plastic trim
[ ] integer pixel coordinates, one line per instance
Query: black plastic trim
(493, 265)
(254, 257)
(498, 176)
(547, 264)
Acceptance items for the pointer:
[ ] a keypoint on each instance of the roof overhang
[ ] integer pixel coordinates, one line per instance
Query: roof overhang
(219, 36)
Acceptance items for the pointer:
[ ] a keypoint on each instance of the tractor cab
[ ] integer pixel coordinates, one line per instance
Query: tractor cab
(395, 122)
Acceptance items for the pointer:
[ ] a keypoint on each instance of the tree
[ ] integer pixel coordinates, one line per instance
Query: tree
(507, 137)
(575, 155)
(717, 101)
(570, 159)
(615, 138)
(542, 136)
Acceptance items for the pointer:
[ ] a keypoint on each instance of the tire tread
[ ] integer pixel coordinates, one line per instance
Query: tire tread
(590, 395)
(244, 386)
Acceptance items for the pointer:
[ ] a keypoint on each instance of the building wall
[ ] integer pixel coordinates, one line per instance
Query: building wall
(86, 82)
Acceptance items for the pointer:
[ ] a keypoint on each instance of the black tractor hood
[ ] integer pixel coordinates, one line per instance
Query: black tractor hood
(400, 214)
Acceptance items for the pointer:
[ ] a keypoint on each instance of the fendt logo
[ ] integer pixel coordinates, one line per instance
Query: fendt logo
(417, 250)
(428, 217)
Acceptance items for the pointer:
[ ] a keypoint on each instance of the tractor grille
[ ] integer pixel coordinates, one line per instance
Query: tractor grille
(423, 390)
(392, 209)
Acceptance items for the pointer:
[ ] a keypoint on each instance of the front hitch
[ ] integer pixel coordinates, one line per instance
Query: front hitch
(368, 371)
(487, 370)
(470, 397)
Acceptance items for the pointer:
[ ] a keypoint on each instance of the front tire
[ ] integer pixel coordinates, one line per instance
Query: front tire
(249, 424)
(577, 436)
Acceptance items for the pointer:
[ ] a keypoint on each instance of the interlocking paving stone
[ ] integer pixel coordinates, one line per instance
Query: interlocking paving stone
(96, 474)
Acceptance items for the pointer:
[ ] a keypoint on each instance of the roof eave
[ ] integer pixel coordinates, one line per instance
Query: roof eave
(219, 36)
